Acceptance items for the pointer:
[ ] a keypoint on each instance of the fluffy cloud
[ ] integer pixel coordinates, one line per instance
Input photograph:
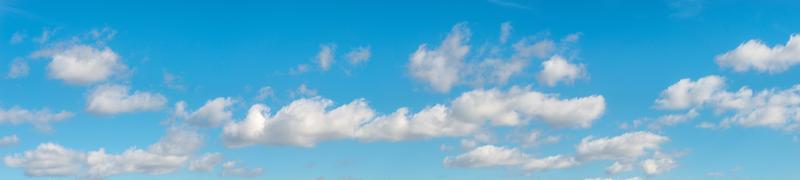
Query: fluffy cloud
(755, 55)
(114, 99)
(658, 164)
(48, 159)
(205, 163)
(557, 69)
(7, 141)
(306, 122)
(165, 156)
(83, 64)
(214, 113)
(234, 168)
(687, 93)
(452, 63)
(773, 108)
(626, 147)
(38, 118)
(440, 67)
(518, 105)
(493, 156)
(359, 55)
(325, 57)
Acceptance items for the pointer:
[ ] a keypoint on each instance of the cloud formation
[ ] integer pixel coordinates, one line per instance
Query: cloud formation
(308, 121)
(38, 118)
(165, 156)
(109, 99)
(757, 56)
(83, 64)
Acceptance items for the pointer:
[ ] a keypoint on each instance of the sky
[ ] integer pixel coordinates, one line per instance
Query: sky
(497, 89)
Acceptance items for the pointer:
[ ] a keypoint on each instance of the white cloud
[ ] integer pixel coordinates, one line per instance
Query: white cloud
(48, 159)
(673, 119)
(519, 105)
(359, 55)
(7, 141)
(687, 93)
(533, 139)
(618, 167)
(234, 168)
(773, 108)
(38, 118)
(165, 156)
(755, 55)
(214, 113)
(451, 63)
(658, 164)
(626, 147)
(440, 67)
(264, 93)
(303, 91)
(114, 99)
(505, 32)
(173, 81)
(205, 163)
(493, 156)
(557, 69)
(306, 122)
(83, 64)
(19, 68)
(325, 57)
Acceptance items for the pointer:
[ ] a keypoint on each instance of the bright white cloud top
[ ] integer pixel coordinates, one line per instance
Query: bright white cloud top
(757, 56)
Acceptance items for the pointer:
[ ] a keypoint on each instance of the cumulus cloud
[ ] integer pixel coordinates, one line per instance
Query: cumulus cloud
(557, 69)
(325, 57)
(494, 156)
(7, 141)
(308, 121)
(165, 156)
(626, 147)
(359, 55)
(83, 64)
(38, 118)
(453, 62)
(660, 163)
(775, 108)
(214, 113)
(757, 56)
(205, 163)
(687, 93)
(234, 168)
(440, 67)
(19, 68)
(110, 99)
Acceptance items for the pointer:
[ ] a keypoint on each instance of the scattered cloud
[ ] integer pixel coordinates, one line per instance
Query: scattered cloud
(627, 147)
(509, 4)
(557, 69)
(165, 156)
(359, 55)
(214, 113)
(205, 163)
(82, 64)
(19, 68)
(505, 32)
(234, 168)
(325, 57)
(452, 63)
(7, 141)
(773, 108)
(109, 99)
(757, 56)
(494, 156)
(660, 163)
(307, 121)
(264, 93)
(17, 37)
(40, 119)
(173, 81)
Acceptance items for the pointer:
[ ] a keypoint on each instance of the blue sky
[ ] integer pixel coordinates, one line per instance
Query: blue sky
(498, 89)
